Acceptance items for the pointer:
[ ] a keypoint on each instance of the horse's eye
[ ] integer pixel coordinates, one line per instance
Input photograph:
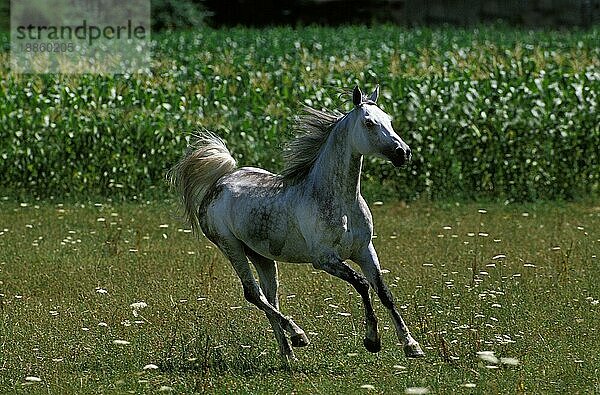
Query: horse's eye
(369, 123)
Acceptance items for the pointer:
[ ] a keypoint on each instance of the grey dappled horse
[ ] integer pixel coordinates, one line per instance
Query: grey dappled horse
(312, 212)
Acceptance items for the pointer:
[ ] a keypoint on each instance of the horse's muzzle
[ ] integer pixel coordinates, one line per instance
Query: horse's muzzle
(401, 156)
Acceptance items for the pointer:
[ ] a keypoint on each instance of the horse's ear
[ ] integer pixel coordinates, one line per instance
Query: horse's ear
(375, 94)
(357, 96)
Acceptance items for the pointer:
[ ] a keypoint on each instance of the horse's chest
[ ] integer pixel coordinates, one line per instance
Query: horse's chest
(341, 234)
(347, 239)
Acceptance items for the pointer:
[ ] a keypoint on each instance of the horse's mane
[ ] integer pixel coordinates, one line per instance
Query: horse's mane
(313, 128)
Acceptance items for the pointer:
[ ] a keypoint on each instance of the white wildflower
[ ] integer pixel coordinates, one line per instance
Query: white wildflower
(416, 390)
(487, 356)
(509, 361)
(137, 306)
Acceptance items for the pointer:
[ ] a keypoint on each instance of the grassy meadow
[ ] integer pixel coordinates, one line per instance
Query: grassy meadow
(521, 281)
(114, 296)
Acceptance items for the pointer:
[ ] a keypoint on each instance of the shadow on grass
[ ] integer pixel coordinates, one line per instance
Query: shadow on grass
(196, 351)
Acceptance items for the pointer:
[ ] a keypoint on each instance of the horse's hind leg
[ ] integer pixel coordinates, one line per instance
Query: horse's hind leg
(267, 274)
(234, 251)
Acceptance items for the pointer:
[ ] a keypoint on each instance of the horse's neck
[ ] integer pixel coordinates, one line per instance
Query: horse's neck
(336, 173)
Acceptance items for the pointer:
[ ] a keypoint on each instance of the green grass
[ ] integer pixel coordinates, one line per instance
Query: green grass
(69, 272)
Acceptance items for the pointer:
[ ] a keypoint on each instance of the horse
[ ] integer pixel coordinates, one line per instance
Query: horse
(312, 212)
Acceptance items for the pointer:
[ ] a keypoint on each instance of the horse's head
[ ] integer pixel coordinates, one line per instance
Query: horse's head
(372, 132)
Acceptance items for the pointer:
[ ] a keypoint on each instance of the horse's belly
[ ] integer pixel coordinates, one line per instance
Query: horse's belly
(291, 248)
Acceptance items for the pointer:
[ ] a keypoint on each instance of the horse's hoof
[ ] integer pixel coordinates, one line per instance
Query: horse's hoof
(413, 350)
(300, 340)
(372, 345)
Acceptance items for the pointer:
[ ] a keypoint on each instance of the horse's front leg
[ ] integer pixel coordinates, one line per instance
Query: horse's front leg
(338, 268)
(369, 263)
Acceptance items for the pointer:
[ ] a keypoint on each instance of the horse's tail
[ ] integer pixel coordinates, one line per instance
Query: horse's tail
(205, 162)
